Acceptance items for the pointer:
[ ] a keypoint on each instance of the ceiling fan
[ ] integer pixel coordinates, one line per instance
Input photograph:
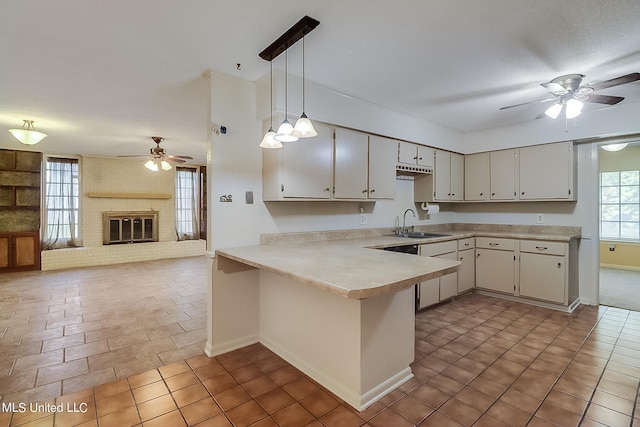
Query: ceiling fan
(159, 157)
(568, 94)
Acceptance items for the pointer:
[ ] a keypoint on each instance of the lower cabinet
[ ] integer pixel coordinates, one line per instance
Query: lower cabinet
(467, 271)
(441, 288)
(544, 271)
(496, 264)
(20, 251)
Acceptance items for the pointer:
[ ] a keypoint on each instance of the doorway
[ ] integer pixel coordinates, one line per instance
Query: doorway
(619, 227)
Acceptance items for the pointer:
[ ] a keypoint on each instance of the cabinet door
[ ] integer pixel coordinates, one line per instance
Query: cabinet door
(382, 168)
(543, 277)
(457, 176)
(26, 251)
(429, 292)
(546, 171)
(476, 176)
(407, 153)
(425, 156)
(467, 271)
(503, 174)
(5, 253)
(449, 282)
(442, 175)
(495, 270)
(351, 164)
(308, 165)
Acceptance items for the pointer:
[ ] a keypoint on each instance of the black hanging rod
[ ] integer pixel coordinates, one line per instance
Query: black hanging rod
(289, 38)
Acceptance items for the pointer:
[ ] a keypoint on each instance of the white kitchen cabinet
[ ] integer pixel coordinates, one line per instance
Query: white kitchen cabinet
(467, 271)
(299, 170)
(415, 154)
(544, 272)
(447, 181)
(496, 264)
(504, 176)
(547, 172)
(351, 167)
(447, 285)
(477, 177)
(382, 168)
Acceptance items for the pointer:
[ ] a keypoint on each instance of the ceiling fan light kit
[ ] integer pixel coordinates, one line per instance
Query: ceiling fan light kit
(304, 127)
(570, 96)
(160, 160)
(27, 135)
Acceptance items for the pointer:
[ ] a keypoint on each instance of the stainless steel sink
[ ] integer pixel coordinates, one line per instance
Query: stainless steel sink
(420, 235)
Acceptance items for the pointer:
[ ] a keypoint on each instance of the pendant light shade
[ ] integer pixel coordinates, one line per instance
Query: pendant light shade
(27, 135)
(304, 127)
(268, 141)
(284, 130)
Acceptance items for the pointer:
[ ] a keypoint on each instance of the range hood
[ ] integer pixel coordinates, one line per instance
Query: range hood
(411, 170)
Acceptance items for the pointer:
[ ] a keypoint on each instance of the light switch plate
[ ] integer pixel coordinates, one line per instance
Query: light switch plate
(363, 219)
(248, 197)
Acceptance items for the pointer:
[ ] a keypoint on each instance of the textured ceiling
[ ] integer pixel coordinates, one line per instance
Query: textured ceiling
(100, 77)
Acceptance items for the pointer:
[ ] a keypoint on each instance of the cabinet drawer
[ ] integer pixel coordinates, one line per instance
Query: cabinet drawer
(496, 243)
(541, 247)
(469, 243)
(433, 249)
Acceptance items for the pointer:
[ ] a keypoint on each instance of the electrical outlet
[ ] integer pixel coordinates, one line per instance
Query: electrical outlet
(540, 218)
(248, 197)
(363, 219)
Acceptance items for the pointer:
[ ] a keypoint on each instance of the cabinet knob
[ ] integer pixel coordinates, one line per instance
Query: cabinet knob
(364, 191)
(420, 158)
(559, 264)
(478, 255)
(522, 193)
(373, 191)
(326, 189)
(493, 194)
(461, 258)
(481, 194)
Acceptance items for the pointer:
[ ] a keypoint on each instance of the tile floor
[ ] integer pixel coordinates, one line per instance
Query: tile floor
(479, 361)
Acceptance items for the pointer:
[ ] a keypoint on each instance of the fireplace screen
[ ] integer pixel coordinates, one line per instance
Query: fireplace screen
(130, 227)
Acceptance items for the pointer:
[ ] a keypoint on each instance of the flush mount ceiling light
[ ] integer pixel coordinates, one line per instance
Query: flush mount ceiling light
(614, 147)
(304, 127)
(27, 135)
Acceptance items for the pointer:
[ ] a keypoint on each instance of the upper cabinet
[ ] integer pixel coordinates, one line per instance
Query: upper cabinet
(351, 166)
(415, 154)
(547, 172)
(503, 176)
(382, 168)
(476, 177)
(338, 164)
(447, 182)
(299, 170)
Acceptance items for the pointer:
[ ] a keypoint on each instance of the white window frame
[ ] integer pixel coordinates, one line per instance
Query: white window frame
(619, 205)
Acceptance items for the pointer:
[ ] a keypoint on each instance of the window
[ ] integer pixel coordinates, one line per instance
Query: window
(61, 204)
(187, 205)
(620, 205)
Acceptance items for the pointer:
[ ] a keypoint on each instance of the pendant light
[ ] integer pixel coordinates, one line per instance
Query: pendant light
(304, 127)
(285, 129)
(268, 141)
(27, 134)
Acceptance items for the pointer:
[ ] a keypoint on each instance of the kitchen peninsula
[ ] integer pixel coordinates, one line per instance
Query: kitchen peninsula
(339, 310)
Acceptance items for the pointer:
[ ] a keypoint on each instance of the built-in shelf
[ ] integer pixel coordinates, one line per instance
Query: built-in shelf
(127, 196)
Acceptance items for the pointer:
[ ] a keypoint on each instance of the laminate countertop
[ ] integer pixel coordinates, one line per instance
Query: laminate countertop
(356, 268)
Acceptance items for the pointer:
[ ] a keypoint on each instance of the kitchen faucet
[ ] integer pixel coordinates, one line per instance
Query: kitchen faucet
(404, 218)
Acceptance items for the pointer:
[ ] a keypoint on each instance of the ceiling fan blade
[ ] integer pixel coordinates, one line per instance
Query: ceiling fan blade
(137, 155)
(173, 159)
(603, 99)
(540, 101)
(181, 157)
(555, 88)
(615, 82)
